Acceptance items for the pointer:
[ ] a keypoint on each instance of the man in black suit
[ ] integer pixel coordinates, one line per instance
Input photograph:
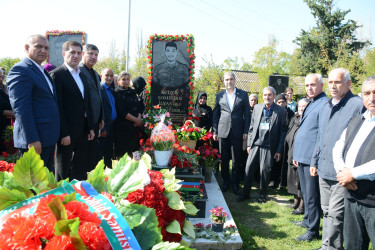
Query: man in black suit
(231, 119)
(110, 114)
(90, 57)
(265, 142)
(76, 118)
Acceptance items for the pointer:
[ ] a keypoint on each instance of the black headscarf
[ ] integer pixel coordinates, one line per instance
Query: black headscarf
(203, 112)
(139, 84)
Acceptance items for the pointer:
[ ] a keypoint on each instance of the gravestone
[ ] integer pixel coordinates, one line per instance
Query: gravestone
(279, 83)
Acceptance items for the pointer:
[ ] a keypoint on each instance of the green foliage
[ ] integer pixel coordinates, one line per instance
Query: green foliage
(116, 62)
(58, 209)
(140, 65)
(189, 229)
(169, 246)
(170, 181)
(174, 200)
(369, 63)
(190, 208)
(332, 39)
(173, 227)
(135, 214)
(96, 177)
(7, 63)
(9, 197)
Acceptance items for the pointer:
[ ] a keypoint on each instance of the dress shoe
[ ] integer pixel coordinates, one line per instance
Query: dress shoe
(306, 237)
(225, 187)
(298, 223)
(236, 190)
(298, 211)
(242, 197)
(262, 198)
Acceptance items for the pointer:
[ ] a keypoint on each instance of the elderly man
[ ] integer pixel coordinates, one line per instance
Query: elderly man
(76, 118)
(265, 142)
(110, 114)
(334, 118)
(33, 98)
(90, 57)
(304, 144)
(354, 160)
(230, 125)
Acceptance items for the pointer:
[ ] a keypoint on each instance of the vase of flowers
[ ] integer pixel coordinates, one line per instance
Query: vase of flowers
(218, 217)
(162, 140)
(210, 157)
(153, 117)
(188, 134)
(185, 158)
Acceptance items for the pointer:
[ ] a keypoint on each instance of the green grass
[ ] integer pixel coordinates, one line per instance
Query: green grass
(267, 225)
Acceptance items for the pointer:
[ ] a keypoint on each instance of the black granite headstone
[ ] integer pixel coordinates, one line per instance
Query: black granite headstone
(279, 83)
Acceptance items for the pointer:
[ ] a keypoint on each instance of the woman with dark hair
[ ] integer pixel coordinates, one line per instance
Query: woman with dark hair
(129, 119)
(139, 86)
(202, 113)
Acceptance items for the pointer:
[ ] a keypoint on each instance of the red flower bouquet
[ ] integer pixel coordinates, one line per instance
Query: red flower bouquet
(189, 132)
(210, 156)
(152, 118)
(184, 157)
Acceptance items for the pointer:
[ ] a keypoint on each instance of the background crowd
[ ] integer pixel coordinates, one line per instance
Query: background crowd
(319, 148)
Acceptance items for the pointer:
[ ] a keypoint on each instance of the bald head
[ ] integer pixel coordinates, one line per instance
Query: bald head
(36, 48)
(107, 76)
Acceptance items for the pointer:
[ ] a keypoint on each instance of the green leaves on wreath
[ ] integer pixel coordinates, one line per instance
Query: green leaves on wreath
(190, 208)
(170, 246)
(9, 197)
(174, 227)
(170, 181)
(96, 177)
(144, 224)
(188, 229)
(174, 200)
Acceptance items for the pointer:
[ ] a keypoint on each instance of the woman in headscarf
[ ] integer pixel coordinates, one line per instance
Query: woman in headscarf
(202, 114)
(139, 86)
(293, 179)
(129, 119)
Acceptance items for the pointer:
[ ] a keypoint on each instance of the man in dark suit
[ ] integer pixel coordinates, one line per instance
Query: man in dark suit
(230, 124)
(32, 95)
(304, 144)
(76, 118)
(110, 114)
(265, 142)
(90, 57)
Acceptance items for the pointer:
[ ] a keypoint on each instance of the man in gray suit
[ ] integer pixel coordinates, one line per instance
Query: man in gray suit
(265, 142)
(90, 56)
(230, 124)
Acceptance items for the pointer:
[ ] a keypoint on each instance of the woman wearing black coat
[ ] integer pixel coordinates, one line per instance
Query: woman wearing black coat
(128, 122)
(202, 113)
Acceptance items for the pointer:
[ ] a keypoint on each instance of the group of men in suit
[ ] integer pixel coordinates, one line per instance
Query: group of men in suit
(330, 180)
(63, 108)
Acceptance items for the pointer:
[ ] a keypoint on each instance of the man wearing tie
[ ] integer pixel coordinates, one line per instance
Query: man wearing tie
(76, 117)
(32, 95)
(230, 123)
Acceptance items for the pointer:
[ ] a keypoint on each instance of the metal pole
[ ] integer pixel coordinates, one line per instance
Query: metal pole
(127, 51)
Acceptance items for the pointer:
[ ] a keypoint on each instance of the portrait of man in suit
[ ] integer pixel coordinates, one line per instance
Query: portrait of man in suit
(265, 142)
(230, 124)
(76, 117)
(33, 98)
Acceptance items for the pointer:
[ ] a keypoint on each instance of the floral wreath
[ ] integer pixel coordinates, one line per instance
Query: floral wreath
(170, 38)
(68, 32)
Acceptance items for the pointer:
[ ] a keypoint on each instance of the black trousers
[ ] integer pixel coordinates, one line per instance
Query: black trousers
(230, 147)
(93, 150)
(311, 197)
(71, 160)
(258, 159)
(359, 225)
(106, 145)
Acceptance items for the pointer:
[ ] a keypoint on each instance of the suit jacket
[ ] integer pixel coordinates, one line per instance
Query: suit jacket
(95, 94)
(278, 127)
(307, 135)
(107, 108)
(72, 106)
(238, 119)
(34, 105)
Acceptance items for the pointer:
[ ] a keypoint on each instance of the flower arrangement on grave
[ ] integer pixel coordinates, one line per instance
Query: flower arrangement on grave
(185, 157)
(149, 201)
(189, 132)
(59, 222)
(210, 156)
(218, 215)
(6, 167)
(152, 118)
(8, 140)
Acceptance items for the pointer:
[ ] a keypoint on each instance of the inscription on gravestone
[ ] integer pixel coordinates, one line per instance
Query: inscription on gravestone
(170, 80)
(55, 45)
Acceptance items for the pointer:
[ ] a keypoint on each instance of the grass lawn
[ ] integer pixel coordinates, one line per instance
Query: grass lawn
(267, 225)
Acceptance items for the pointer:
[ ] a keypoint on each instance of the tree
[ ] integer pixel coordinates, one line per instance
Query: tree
(117, 63)
(7, 63)
(331, 39)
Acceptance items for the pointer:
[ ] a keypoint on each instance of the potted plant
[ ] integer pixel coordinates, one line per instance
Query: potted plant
(185, 157)
(210, 157)
(188, 134)
(218, 217)
(162, 140)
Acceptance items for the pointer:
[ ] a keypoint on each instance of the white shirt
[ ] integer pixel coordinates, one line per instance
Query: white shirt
(231, 98)
(362, 172)
(75, 74)
(42, 69)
